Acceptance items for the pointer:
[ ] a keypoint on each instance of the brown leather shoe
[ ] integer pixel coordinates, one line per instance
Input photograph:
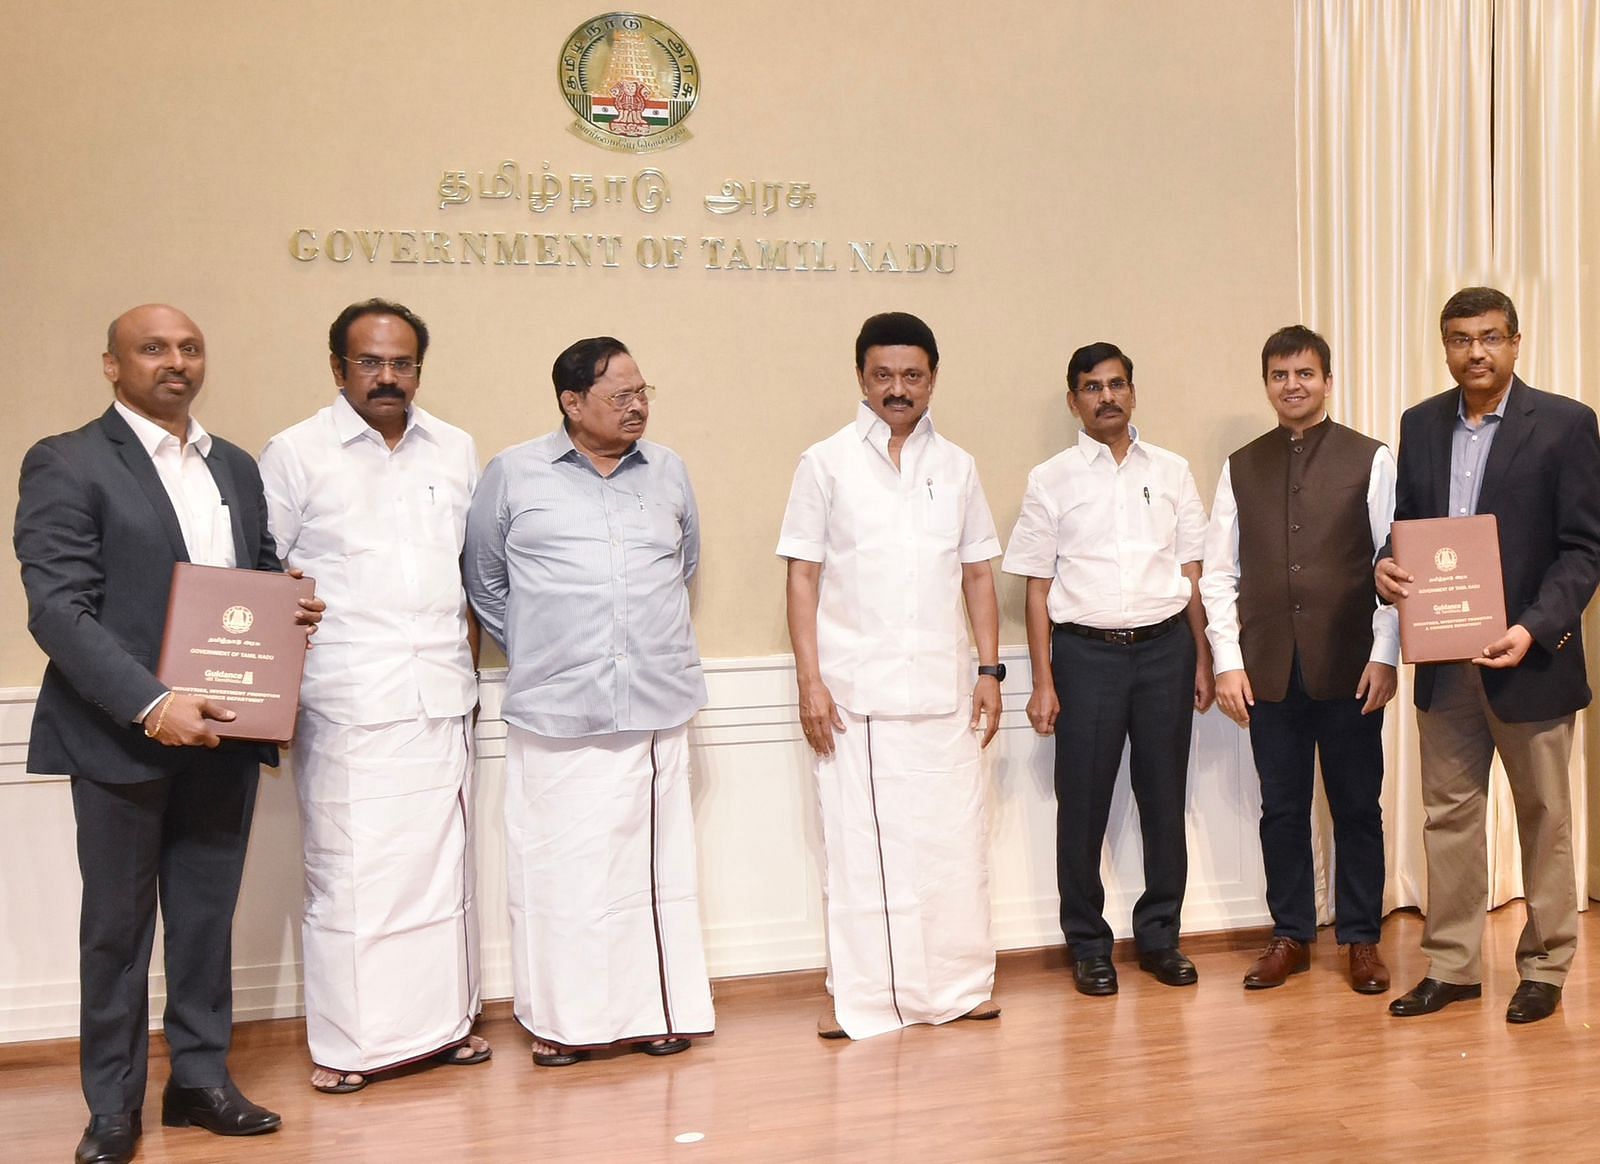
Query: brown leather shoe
(1368, 974)
(1281, 958)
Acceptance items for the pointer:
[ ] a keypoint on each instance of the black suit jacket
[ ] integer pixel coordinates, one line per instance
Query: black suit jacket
(97, 538)
(1542, 482)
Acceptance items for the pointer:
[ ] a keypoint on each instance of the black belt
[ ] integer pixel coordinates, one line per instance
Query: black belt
(1137, 634)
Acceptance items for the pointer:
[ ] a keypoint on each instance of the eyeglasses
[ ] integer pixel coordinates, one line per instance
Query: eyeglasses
(1094, 388)
(1492, 342)
(404, 368)
(621, 400)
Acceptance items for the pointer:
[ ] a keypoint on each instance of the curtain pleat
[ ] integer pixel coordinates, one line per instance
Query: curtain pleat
(1441, 145)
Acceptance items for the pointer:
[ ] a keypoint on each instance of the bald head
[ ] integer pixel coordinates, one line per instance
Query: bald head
(155, 359)
(136, 317)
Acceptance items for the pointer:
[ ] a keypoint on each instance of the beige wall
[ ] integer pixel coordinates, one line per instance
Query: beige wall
(1109, 170)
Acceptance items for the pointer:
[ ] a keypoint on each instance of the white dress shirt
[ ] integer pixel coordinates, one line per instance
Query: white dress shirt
(1219, 585)
(202, 516)
(1112, 537)
(891, 618)
(380, 530)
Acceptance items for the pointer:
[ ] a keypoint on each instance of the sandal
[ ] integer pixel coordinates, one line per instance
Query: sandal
(452, 1057)
(553, 1056)
(348, 1082)
(663, 1047)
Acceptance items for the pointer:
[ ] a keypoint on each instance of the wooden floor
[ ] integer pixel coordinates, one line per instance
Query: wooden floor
(1310, 1071)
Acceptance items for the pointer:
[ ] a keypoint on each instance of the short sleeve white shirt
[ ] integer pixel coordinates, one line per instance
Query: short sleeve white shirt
(891, 620)
(380, 530)
(1112, 537)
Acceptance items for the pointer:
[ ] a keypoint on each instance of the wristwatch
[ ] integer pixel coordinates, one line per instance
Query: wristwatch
(998, 671)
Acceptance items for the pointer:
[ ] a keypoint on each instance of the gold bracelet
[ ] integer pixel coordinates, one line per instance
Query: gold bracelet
(160, 718)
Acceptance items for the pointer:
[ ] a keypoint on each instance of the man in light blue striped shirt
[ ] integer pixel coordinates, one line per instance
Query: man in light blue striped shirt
(579, 550)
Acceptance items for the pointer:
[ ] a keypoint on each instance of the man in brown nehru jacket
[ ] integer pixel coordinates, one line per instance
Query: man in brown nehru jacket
(1305, 655)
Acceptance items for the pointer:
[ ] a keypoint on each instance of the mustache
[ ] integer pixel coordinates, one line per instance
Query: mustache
(906, 400)
(386, 391)
(1108, 410)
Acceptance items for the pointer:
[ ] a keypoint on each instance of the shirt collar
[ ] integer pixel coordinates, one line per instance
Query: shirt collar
(349, 425)
(872, 427)
(562, 449)
(151, 435)
(1499, 412)
(1091, 448)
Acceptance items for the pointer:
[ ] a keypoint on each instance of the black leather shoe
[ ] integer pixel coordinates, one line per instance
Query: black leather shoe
(1533, 1001)
(1431, 995)
(1169, 966)
(109, 1139)
(1094, 975)
(221, 1110)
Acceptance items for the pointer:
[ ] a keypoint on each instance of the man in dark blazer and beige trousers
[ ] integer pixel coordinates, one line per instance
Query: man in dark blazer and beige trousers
(1540, 476)
(163, 808)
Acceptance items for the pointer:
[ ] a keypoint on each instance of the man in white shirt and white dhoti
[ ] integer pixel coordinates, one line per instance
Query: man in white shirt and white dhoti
(580, 547)
(888, 539)
(369, 497)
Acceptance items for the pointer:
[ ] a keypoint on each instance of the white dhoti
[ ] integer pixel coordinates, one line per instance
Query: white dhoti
(906, 841)
(605, 915)
(390, 932)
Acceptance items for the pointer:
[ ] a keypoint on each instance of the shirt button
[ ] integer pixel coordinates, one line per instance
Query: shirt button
(1299, 448)
(1294, 529)
(1295, 569)
(1294, 489)
(1297, 608)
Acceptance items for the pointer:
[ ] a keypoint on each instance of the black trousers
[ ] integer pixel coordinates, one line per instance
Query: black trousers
(1284, 736)
(1141, 694)
(180, 839)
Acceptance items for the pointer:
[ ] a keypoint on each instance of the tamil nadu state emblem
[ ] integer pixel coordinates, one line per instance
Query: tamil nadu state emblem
(631, 80)
(1445, 558)
(237, 619)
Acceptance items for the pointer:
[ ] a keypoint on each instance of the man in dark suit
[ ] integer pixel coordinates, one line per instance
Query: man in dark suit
(1494, 445)
(162, 806)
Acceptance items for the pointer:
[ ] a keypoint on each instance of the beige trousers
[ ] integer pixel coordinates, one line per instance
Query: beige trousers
(1460, 734)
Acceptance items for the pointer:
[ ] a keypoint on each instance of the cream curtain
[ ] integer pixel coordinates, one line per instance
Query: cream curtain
(1547, 241)
(1441, 145)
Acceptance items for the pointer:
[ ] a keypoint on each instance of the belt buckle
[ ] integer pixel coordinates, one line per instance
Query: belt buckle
(1121, 637)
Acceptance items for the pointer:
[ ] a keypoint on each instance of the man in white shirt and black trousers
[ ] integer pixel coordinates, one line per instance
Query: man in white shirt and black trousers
(1110, 537)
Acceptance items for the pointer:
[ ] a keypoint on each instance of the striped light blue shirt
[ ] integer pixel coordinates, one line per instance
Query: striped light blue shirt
(583, 579)
(1469, 453)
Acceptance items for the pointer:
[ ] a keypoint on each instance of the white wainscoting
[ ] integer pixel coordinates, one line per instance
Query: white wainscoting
(759, 843)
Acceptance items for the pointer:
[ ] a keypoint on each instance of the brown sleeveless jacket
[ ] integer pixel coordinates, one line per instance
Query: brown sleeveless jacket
(1305, 559)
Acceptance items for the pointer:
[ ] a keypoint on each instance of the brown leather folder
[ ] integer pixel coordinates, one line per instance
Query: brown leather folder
(1458, 599)
(231, 636)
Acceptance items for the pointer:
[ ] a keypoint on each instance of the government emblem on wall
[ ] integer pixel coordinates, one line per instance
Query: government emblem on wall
(631, 80)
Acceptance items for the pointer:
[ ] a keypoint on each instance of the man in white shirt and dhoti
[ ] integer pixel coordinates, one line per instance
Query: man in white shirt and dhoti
(888, 539)
(580, 547)
(369, 497)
